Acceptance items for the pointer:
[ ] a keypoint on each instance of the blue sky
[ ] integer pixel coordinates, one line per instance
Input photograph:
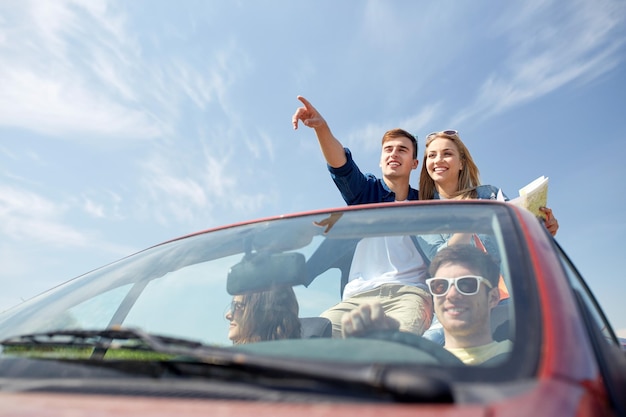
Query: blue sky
(123, 124)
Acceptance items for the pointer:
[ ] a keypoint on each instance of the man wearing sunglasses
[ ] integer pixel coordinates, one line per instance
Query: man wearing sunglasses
(464, 286)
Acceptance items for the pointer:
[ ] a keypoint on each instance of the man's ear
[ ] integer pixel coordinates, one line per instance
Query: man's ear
(416, 162)
(494, 297)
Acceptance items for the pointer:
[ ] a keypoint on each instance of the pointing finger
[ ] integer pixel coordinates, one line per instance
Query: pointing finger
(306, 103)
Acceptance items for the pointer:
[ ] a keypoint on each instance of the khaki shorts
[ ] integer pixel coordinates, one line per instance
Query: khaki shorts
(411, 306)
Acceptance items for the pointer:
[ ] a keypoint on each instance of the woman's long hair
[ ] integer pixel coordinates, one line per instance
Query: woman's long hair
(469, 176)
(269, 315)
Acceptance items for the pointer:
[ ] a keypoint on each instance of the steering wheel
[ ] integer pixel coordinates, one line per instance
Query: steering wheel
(427, 346)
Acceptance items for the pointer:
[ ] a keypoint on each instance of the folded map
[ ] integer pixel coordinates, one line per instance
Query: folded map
(533, 196)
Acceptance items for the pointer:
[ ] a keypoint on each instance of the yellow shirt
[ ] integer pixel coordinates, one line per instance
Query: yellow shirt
(479, 354)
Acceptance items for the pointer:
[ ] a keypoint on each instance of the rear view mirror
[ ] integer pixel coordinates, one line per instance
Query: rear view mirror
(261, 272)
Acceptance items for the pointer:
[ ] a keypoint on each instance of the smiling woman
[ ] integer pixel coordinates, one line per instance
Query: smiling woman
(266, 315)
(449, 172)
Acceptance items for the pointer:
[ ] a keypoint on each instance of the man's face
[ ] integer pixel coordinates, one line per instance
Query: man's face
(462, 316)
(396, 158)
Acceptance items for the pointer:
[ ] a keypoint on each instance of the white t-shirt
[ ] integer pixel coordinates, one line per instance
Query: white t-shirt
(384, 260)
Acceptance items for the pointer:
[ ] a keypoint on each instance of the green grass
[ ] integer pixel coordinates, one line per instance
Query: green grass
(51, 352)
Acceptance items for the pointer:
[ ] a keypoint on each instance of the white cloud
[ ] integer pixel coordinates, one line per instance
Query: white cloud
(261, 146)
(197, 181)
(107, 71)
(174, 190)
(369, 137)
(93, 208)
(380, 24)
(418, 121)
(27, 216)
(14, 261)
(251, 202)
(60, 107)
(544, 57)
(59, 81)
(200, 89)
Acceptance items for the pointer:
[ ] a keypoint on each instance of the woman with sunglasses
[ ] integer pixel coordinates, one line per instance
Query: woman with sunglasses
(266, 315)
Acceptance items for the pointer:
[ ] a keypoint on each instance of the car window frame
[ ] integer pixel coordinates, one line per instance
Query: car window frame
(577, 282)
(609, 352)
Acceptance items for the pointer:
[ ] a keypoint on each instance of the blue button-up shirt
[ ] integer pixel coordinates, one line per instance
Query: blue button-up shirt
(358, 188)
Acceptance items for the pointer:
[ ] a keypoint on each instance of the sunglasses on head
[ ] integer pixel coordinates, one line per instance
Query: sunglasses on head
(445, 133)
(466, 285)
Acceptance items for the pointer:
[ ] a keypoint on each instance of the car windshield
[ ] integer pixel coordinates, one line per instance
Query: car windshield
(228, 287)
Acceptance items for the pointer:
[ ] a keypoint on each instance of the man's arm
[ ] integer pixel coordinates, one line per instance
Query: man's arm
(332, 149)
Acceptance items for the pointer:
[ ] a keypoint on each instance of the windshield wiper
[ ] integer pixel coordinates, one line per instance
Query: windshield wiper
(393, 381)
(102, 341)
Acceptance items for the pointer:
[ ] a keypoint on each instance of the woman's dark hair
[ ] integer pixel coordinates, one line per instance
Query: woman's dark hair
(269, 315)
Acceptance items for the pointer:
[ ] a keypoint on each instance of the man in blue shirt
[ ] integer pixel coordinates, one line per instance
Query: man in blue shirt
(389, 270)
(398, 159)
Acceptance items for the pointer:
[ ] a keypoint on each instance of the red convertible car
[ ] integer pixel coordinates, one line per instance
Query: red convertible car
(232, 321)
